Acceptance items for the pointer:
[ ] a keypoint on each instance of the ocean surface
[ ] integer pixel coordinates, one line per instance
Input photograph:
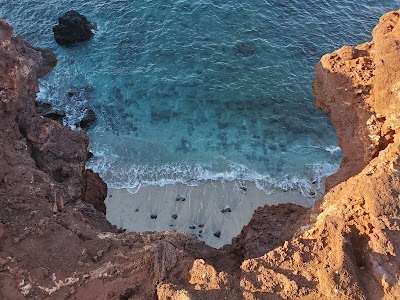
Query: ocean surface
(194, 90)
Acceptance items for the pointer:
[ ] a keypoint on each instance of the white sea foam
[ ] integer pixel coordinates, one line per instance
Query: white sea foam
(133, 177)
(333, 149)
(43, 93)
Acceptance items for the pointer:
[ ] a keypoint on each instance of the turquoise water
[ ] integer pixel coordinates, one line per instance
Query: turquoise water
(192, 90)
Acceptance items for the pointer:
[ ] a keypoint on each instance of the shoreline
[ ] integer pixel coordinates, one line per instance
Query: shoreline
(152, 208)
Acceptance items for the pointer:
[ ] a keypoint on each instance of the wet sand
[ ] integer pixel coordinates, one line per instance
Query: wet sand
(202, 206)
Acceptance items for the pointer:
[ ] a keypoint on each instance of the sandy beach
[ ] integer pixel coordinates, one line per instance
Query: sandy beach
(153, 208)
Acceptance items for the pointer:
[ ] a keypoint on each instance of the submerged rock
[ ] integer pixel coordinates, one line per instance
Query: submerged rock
(185, 146)
(245, 48)
(73, 28)
(72, 93)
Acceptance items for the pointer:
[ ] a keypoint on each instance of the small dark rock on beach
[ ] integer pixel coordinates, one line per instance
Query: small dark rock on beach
(217, 234)
(180, 198)
(243, 188)
(226, 209)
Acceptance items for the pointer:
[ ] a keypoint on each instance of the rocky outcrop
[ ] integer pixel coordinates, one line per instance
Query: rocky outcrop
(96, 191)
(73, 28)
(269, 228)
(42, 176)
(53, 245)
(358, 89)
(88, 120)
(347, 246)
(46, 110)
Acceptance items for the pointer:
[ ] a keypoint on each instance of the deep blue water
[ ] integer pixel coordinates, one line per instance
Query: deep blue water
(190, 90)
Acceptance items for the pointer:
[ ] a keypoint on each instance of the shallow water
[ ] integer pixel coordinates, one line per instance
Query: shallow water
(191, 90)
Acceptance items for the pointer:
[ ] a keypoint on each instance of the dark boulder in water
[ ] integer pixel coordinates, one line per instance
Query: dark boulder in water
(55, 114)
(185, 146)
(73, 28)
(88, 120)
(89, 155)
(71, 93)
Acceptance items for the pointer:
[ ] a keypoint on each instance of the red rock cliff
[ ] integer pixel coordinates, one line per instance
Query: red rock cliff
(345, 247)
(358, 88)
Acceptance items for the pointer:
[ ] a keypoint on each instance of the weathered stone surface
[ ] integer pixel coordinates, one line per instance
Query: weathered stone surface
(357, 88)
(46, 110)
(96, 191)
(269, 227)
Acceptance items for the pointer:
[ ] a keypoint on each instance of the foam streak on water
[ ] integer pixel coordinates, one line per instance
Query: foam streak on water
(200, 90)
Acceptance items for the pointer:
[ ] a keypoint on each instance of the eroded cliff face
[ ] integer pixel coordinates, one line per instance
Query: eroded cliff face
(359, 88)
(53, 245)
(51, 240)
